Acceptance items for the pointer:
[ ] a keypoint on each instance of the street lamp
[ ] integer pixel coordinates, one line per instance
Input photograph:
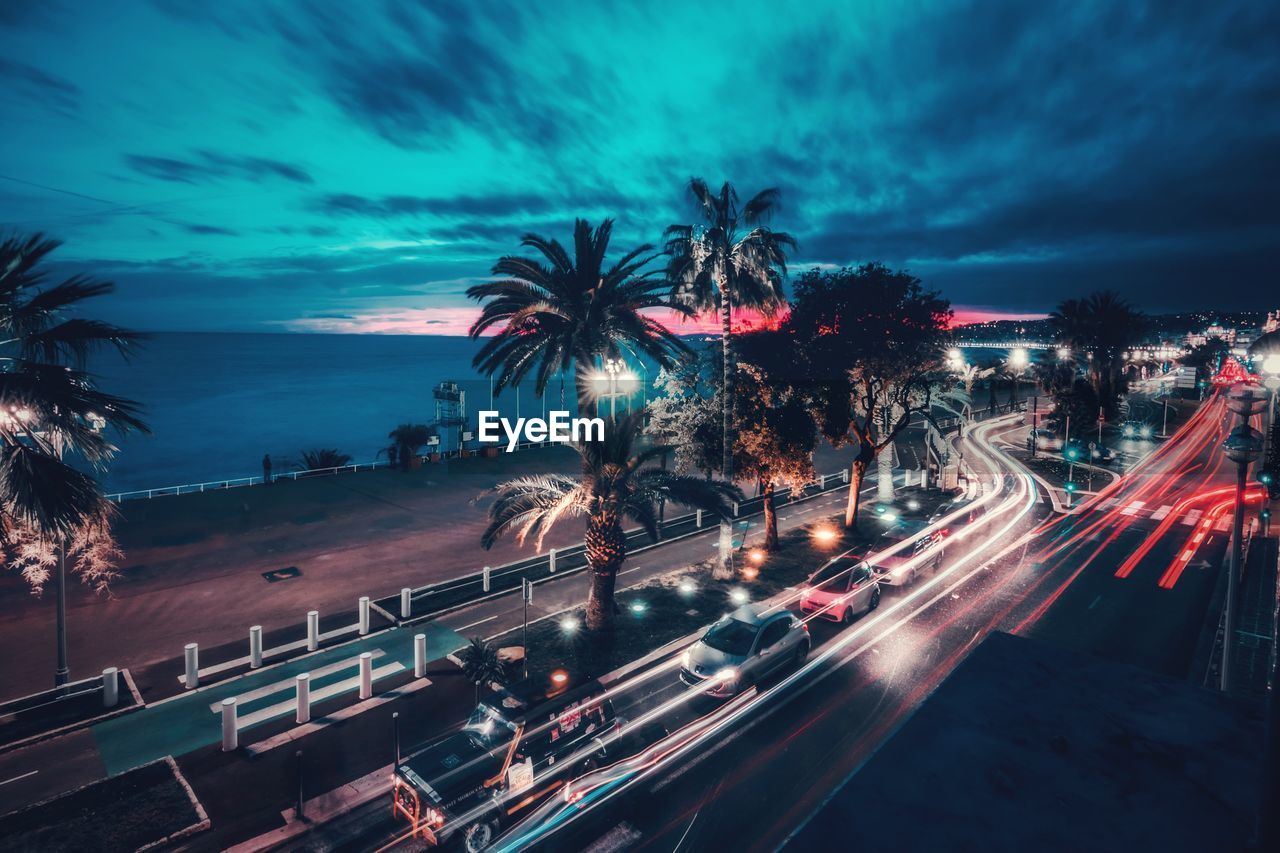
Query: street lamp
(1242, 446)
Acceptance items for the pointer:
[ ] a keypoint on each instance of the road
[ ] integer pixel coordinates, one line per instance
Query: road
(1110, 578)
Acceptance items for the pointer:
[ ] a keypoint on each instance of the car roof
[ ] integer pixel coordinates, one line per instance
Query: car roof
(750, 614)
(908, 524)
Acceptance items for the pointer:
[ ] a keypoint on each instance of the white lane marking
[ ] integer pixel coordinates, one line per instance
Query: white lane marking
(317, 696)
(23, 776)
(1094, 603)
(1132, 509)
(1159, 514)
(1190, 518)
(1224, 524)
(479, 622)
(287, 683)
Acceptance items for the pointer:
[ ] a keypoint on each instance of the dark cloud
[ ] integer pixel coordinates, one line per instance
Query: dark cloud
(212, 166)
(196, 228)
(37, 85)
(392, 206)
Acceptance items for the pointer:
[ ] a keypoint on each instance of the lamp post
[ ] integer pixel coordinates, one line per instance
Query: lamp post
(1268, 833)
(1242, 446)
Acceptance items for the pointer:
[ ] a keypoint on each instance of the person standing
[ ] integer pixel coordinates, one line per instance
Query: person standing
(266, 468)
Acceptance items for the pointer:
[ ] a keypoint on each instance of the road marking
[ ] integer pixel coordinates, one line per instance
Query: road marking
(1159, 514)
(1224, 524)
(23, 776)
(1190, 518)
(479, 622)
(317, 696)
(1132, 509)
(287, 683)
(1095, 602)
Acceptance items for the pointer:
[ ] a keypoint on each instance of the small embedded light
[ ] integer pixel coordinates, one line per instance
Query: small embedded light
(638, 607)
(739, 596)
(825, 535)
(913, 505)
(559, 677)
(756, 555)
(750, 573)
(569, 624)
(686, 587)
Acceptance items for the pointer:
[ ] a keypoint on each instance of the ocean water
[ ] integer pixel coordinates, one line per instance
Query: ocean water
(217, 402)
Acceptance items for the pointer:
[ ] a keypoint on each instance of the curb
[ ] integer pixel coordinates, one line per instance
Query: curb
(40, 737)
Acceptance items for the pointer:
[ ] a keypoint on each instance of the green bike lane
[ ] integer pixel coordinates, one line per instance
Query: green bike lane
(187, 722)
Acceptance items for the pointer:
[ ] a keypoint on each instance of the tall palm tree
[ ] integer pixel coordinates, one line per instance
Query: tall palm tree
(1100, 327)
(729, 259)
(618, 481)
(51, 416)
(557, 311)
(408, 439)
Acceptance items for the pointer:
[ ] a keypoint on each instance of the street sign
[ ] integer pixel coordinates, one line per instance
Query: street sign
(526, 588)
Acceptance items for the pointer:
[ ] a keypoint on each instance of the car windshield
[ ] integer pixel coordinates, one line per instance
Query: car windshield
(731, 636)
(487, 729)
(832, 576)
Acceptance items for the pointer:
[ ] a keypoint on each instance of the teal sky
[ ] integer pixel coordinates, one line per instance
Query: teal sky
(354, 166)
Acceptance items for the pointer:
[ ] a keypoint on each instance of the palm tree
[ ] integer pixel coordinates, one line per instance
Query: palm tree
(324, 457)
(556, 312)
(51, 415)
(481, 664)
(618, 481)
(728, 260)
(1101, 326)
(408, 439)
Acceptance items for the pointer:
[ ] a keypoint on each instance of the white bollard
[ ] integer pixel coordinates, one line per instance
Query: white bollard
(366, 675)
(697, 518)
(924, 478)
(255, 646)
(551, 560)
(303, 685)
(192, 653)
(230, 726)
(484, 579)
(364, 615)
(406, 603)
(110, 687)
(419, 655)
(735, 509)
(313, 630)
(844, 475)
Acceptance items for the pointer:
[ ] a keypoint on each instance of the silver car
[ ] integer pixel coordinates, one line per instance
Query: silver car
(744, 648)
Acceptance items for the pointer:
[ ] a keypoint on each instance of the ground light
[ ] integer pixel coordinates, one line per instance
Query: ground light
(738, 595)
(569, 624)
(750, 573)
(638, 607)
(559, 677)
(686, 587)
(756, 555)
(913, 504)
(824, 535)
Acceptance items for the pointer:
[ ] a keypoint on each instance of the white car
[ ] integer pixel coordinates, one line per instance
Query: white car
(744, 648)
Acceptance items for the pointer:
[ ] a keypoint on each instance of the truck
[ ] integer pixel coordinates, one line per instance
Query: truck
(508, 757)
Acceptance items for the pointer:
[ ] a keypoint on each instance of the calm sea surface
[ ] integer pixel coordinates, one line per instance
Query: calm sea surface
(217, 402)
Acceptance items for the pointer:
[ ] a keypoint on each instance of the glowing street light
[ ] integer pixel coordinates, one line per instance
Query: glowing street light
(1064, 353)
(824, 535)
(1018, 359)
(569, 624)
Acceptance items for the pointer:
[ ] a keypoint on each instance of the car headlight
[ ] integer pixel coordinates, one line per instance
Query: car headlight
(728, 675)
(684, 659)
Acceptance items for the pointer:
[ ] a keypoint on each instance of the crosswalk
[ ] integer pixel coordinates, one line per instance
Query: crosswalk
(1141, 509)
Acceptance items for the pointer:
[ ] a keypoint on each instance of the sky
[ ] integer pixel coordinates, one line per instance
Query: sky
(355, 166)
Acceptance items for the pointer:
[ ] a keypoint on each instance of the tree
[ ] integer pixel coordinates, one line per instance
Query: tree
(408, 439)
(321, 458)
(873, 339)
(1099, 328)
(52, 416)
(618, 481)
(729, 259)
(1073, 396)
(685, 414)
(481, 664)
(1207, 357)
(559, 312)
(775, 430)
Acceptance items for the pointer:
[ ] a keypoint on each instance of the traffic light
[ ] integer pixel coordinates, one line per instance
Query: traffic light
(1070, 485)
(1265, 514)
(1072, 453)
(1265, 478)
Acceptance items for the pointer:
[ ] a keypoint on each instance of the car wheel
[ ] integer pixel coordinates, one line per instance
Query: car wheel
(846, 618)
(801, 654)
(875, 600)
(478, 836)
(910, 578)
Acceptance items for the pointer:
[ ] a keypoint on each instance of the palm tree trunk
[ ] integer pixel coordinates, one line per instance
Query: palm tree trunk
(606, 548)
(857, 473)
(770, 517)
(62, 675)
(724, 566)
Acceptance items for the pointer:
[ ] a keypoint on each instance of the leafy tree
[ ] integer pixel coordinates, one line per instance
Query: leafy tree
(555, 312)
(321, 458)
(686, 415)
(481, 665)
(776, 433)
(873, 339)
(728, 259)
(52, 416)
(1207, 357)
(618, 481)
(1099, 328)
(1073, 397)
(408, 439)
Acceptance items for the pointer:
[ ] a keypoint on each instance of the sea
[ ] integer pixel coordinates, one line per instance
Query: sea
(217, 402)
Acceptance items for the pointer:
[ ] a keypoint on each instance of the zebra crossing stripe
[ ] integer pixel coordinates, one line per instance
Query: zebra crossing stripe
(1190, 518)
(1132, 509)
(1159, 514)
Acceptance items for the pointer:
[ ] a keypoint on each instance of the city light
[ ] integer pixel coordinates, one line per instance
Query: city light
(1018, 359)
(913, 504)
(638, 607)
(569, 624)
(559, 677)
(756, 555)
(1064, 352)
(825, 535)
(750, 573)
(687, 587)
(738, 595)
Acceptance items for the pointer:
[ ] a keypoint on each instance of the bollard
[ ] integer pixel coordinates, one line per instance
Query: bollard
(192, 651)
(924, 478)
(551, 560)
(255, 647)
(110, 687)
(484, 579)
(364, 615)
(366, 675)
(303, 685)
(230, 727)
(844, 475)
(419, 655)
(406, 603)
(313, 630)
(735, 509)
(697, 518)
